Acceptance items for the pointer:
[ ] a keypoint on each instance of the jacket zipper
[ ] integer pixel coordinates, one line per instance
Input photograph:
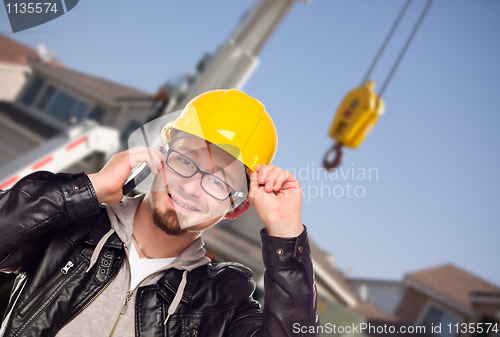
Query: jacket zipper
(66, 280)
(93, 298)
(46, 288)
(124, 307)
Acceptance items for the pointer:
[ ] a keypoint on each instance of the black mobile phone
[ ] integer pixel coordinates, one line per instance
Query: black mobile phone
(136, 178)
(142, 172)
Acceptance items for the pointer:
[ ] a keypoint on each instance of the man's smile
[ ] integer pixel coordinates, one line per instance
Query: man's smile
(185, 206)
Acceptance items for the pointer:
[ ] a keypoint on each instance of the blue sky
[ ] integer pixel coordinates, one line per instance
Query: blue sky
(435, 149)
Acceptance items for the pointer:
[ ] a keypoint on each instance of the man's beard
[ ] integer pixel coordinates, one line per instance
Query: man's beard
(168, 222)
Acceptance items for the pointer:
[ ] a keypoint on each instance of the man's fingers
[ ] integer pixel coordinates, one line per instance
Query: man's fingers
(160, 158)
(254, 180)
(280, 179)
(275, 179)
(271, 179)
(152, 157)
(263, 171)
(255, 187)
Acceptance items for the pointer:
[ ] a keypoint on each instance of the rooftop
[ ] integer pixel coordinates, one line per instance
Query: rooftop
(453, 283)
(15, 53)
(109, 89)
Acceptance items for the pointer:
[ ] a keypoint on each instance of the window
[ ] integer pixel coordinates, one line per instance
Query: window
(61, 106)
(66, 108)
(79, 111)
(435, 316)
(96, 114)
(46, 96)
(33, 90)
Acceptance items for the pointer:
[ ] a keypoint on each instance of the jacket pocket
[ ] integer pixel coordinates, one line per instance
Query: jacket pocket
(52, 287)
(190, 326)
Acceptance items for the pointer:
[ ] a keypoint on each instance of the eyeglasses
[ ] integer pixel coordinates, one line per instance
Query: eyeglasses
(210, 183)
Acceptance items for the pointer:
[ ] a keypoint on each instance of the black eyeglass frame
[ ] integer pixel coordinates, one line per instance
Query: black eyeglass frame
(167, 150)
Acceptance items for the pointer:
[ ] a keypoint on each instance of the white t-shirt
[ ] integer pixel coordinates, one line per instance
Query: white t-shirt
(140, 268)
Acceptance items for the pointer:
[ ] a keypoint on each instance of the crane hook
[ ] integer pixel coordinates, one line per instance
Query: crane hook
(335, 162)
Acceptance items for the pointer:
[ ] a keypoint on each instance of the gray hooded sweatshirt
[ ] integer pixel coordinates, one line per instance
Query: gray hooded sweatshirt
(112, 312)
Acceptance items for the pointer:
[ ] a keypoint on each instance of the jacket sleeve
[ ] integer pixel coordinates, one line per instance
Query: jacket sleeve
(290, 295)
(36, 204)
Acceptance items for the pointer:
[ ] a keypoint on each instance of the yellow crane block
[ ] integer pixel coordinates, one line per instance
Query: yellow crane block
(356, 116)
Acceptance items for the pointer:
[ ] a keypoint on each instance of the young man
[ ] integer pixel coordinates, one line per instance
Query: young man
(92, 263)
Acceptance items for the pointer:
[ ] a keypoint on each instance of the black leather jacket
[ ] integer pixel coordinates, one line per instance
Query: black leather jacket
(49, 226)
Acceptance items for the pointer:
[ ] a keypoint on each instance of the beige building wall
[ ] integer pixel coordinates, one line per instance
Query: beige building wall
(12, 79)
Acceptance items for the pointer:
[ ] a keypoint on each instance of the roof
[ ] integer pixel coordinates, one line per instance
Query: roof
(371, 312)
(380, 323)
(13, 52)
(453, 283)
(357, 280)
(109, 89)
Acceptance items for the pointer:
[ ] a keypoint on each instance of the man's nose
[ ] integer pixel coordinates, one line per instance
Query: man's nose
(192, 185)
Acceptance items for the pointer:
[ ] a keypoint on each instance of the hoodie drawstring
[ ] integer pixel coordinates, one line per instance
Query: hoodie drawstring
(178, 296)
(97, 250)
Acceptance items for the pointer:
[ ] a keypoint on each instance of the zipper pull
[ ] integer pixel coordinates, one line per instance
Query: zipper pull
(124, 308)
(67, 267)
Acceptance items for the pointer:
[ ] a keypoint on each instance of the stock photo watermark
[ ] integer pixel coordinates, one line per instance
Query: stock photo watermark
(344, 182)
(359, 328)
(24, 15)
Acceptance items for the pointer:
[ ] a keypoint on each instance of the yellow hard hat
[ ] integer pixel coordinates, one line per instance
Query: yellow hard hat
(232, 120)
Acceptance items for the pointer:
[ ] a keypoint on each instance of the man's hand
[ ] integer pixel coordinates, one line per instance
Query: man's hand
(109, 181)
(276, 196)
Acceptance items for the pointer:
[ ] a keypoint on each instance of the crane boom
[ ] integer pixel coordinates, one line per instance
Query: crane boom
(236, 60)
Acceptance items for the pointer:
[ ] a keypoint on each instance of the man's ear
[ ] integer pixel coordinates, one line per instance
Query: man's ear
(238, 210)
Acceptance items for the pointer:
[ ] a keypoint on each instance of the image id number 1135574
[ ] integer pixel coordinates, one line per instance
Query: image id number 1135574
(480, 328)
(31, 7)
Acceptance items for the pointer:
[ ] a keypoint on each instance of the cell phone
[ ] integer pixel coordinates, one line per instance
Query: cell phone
(142, 172)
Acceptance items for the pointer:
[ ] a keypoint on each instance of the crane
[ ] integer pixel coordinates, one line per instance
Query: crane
(230, 67)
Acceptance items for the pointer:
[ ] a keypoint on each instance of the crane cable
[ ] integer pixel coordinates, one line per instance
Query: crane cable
(337, 148)
(405, 48)
(386, 42)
